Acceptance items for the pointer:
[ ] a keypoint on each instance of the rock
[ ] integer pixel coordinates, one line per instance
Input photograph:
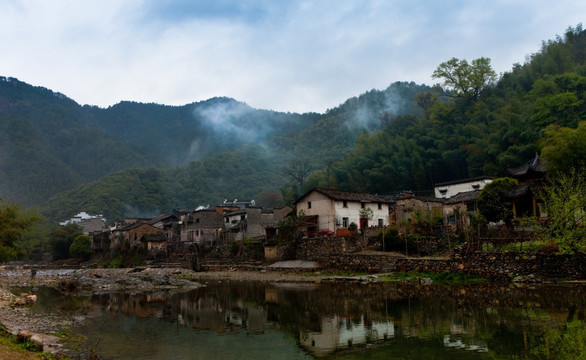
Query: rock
(49, 343)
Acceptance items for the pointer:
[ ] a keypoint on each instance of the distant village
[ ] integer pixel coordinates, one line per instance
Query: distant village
(325, 213)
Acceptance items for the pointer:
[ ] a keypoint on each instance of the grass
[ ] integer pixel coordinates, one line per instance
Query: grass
(443, 278)
(26, 349)
(530, 246)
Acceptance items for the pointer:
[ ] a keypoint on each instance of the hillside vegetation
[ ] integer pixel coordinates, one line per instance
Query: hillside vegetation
(465, 134)
(138, 159)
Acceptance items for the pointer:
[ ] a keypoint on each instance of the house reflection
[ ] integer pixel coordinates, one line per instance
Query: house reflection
(338, 332)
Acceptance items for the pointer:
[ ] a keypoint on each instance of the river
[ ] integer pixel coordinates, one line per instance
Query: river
(342, 320)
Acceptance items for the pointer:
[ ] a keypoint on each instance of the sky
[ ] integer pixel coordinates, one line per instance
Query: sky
(283, 55)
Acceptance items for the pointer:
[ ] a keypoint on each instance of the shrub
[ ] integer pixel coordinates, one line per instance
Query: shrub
(81, 247)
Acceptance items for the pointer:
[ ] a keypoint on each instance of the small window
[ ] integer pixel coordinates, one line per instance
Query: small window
(452, 219)
(471, 207)
(345, 203)
(380, 223)
(380, 206)
(227, 220)
(197, 221)
(362, 205)
(345, 222)
(242, 217)
(309, 204)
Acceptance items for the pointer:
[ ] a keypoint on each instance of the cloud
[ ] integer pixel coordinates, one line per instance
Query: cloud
(287, 55)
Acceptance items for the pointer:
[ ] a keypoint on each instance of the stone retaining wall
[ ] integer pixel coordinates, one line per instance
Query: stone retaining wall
(344, 254)
(499, 266)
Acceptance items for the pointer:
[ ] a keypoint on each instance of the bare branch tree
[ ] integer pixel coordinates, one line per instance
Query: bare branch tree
(298, 170)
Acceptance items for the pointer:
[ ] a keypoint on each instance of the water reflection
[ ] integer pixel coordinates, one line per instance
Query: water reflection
(249, 320)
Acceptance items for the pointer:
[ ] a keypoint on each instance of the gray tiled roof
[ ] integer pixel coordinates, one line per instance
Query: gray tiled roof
(348, 196)
(536, 164)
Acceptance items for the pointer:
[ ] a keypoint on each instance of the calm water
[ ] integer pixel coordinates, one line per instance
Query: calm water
(251, 320)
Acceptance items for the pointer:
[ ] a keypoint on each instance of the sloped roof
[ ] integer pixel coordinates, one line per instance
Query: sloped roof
(536, 164)
(465, 181)
(347, 196)
(463, 197)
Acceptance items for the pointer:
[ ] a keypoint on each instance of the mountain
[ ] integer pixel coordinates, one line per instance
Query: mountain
(459, 137)
(134, 158)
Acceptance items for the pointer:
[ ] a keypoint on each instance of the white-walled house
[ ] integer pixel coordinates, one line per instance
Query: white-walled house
(333, 209)
(449, 189)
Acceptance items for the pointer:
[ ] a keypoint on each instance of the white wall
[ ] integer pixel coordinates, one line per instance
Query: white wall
(447, 191)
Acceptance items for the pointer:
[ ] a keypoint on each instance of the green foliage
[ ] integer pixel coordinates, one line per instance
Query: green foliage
(492, 201)
(564, 198)
(559, 99)
(563, 343)
(564, 148)
(14, 225)
(390, 239)
(81, 247)
(464, 80)
(353, 227)
(61, 239)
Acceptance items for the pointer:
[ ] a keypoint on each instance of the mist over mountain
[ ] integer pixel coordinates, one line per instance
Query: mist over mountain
(132, 157)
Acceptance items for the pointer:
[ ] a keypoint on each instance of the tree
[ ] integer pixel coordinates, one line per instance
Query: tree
(81, 247)
(61, 239)
(464, 80)
(492, 201)
(14, 224)
(564, 198)
(564, 148)
(298, 170)
(559, 99)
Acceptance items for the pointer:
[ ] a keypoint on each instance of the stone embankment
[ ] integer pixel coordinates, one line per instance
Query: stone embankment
(347, 255)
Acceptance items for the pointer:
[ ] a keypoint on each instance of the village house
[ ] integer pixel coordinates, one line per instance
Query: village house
(134, 235)
(252, 222)
(449, 189)
(89, 223)
(407, 208)
(329, 210)
(204, 226)
(462, 204)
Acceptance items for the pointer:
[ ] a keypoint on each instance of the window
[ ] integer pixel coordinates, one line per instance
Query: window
(380, 206)
(362, 205)
(380, 223)
(345, 222)
(345, 203)
(309, 204)
(227, 220)
(471, 207)
(242, 217)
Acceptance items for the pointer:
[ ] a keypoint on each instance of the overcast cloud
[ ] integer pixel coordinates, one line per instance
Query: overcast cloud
(293, 56)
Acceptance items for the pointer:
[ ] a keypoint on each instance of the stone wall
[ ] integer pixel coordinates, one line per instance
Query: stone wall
(345, 254)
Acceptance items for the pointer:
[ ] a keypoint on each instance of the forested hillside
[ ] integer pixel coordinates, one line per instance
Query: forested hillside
(134, 158)
(466, 133)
